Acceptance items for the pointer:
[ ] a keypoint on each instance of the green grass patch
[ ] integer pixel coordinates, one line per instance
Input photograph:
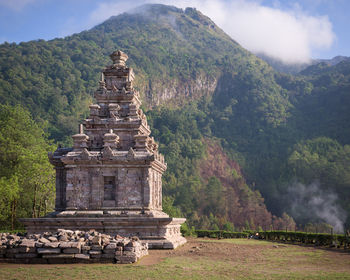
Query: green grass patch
(217, 259)
(238, 241)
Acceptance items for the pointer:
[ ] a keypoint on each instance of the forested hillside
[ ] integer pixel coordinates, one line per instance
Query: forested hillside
(236, 134)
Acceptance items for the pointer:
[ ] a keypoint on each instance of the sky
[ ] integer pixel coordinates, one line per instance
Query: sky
(293, 31)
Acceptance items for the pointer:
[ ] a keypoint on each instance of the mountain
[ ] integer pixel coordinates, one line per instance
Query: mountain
(234, 131)
(333, 61)
(295, 68)
(177, 55)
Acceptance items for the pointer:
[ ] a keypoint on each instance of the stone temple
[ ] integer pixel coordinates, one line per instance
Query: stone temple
(111, 180)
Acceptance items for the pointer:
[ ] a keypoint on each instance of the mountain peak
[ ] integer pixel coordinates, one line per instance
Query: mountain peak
(166, 17)
(198, 16)
(159, 9)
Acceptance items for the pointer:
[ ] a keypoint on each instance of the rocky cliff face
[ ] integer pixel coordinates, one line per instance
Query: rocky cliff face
(178, 92)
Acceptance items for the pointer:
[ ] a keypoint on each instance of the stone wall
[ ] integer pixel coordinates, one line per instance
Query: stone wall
(139, 187)
(66, 246)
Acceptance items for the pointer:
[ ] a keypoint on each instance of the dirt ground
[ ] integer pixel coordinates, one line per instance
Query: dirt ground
(252, 251)
(215, 259)
(262, 258)
(196, 248)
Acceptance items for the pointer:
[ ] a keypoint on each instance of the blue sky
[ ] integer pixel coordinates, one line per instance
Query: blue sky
(290, 30)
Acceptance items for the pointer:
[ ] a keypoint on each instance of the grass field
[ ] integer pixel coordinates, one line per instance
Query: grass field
(205, 259)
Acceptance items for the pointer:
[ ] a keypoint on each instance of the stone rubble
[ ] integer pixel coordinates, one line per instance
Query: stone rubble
(67, 246)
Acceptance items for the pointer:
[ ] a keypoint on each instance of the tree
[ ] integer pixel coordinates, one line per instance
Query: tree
(26, 176)
(215, 202)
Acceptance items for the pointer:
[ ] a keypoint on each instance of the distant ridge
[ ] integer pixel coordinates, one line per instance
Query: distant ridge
(279, 66)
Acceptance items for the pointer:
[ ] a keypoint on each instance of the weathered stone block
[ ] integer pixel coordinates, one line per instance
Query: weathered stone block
(27, 250)
(95, 256)
(82, 256)
(51, 245)
(109, 251)
(2, 250)
(26, 256)
(27, 243)
(64, 245)
(39, 245)
(43, 240)
(71, 250)
(49, 250)
(58, 256)
(131, 244)
(96, 247)
(53, 239)
(75, 244)
(95, 252)
(108, 256)
(96, 240)
(112, 246)
(10, 255)
(128, 253)
(126, 259)
(129, 249)
(86, 248)
(12, 251)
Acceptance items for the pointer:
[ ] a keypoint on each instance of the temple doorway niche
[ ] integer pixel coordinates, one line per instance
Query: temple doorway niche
(109, 192)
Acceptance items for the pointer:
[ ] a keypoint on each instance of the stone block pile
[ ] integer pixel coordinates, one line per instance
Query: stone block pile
(67, 246)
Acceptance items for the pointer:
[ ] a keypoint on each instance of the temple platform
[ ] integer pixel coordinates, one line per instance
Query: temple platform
(158, 232)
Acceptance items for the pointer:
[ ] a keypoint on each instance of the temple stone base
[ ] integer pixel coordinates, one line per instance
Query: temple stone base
(158, 232)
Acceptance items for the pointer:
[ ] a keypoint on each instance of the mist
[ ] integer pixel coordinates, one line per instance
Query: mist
(311, 203)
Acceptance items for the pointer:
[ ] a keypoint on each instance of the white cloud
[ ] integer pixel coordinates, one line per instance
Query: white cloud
(107, 9)
(289, 35)
(16, 5)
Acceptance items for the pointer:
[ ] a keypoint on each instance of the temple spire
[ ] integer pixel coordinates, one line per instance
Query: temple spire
(119, 58)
